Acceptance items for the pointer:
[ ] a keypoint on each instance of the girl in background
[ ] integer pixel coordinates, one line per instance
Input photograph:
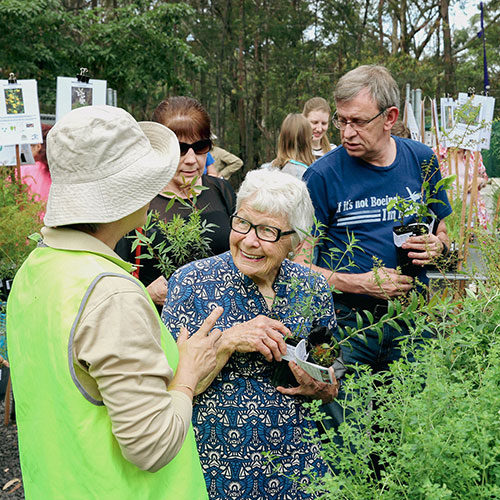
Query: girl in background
(294, 146)
(318, 113)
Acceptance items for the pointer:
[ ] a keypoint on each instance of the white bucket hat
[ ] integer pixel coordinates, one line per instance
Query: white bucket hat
(104, 165)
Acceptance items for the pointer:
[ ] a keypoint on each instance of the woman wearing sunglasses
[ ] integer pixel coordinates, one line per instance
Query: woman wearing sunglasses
(190, 122)
(238, 414)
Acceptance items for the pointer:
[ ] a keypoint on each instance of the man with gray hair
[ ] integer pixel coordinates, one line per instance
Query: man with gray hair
(350, 188)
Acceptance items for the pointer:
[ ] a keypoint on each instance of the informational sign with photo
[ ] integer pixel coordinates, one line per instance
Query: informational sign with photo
(73, 93)
(19, 113)
(466, 122)
(448, 106)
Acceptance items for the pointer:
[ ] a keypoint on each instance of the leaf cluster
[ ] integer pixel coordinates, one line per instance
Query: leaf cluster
(175, 242)
(420, 208)
(305, 296)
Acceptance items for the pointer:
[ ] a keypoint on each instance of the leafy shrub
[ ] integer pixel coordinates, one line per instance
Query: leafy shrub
(431, 425)
(181, 240)
(20, 216)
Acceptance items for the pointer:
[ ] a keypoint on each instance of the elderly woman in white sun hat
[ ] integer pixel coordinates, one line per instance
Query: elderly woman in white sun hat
(98, 404)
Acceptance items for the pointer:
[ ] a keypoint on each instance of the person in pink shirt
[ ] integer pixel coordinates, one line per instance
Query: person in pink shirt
(37, 176)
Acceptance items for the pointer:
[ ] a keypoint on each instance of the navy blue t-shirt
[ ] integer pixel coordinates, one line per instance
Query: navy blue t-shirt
(349, 194)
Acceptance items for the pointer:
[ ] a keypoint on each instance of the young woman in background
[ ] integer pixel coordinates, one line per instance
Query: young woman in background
(294, 146)
(318, 113)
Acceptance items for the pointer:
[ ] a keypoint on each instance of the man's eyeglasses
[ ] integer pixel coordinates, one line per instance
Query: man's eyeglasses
(199, 147)
(355, 124)
(263, 232)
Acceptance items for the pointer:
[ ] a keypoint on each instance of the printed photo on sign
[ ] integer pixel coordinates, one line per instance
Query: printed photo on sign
(470, 115)
(81, 96)
(14, 101)
(472, 119)
(448, 117)
(72, 94)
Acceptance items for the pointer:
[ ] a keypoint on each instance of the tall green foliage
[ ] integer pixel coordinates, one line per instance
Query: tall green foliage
(250, 62)
(426, 429)
(138, 47)
(433, 430)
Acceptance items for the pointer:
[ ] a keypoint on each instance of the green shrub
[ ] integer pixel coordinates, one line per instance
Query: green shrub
(20, 216)
(432, 424)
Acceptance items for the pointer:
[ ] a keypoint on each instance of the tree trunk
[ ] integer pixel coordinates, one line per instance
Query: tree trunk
(449, 71)
(241, 81)
(394, 35)
(380, 27)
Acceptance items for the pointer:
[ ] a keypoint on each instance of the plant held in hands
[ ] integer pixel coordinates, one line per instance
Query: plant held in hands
(307, 308)
(415, 215)
(183, 239)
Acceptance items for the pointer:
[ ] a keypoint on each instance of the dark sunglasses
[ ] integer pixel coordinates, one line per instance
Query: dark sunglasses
(199, 147)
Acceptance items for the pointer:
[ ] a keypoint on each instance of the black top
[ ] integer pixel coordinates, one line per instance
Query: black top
(218, 203)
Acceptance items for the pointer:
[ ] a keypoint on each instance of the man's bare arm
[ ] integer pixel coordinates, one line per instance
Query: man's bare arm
(390, 283)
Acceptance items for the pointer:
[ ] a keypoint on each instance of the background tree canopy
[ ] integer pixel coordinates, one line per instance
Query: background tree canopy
(250, 62)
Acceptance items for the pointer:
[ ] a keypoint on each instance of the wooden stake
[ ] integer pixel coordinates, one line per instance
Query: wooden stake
(474, 192)
(6, 417)
(469, 218)
(497, 210)
(18, 165)
(454, 157)
(462, 243)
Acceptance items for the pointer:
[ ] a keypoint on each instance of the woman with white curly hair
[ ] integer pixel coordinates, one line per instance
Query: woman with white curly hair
(238, 413)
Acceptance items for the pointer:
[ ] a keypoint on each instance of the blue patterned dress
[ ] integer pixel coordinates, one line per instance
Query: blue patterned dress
(241, 415)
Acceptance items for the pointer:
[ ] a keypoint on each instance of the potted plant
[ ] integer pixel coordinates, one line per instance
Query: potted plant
(314, 354)
(449, 262)
(415, 217)
(311, 345)
(182, 239)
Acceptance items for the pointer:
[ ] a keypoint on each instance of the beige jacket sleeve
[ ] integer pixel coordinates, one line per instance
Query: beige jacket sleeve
(225, 162)
(118, 359)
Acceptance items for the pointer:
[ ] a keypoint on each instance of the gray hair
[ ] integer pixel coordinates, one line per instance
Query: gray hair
(380, 84)
(279, 194)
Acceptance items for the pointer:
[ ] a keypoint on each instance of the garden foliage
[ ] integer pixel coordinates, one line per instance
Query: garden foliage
(175, 242)
(426, 429)
(20, 216)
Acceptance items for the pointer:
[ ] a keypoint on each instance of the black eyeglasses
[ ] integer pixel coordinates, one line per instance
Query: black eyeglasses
(355, 124)
(199, 147)
(263, 232)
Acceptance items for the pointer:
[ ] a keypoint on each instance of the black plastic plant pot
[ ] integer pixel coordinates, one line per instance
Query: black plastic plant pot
(400, 235)
(446, 263)
(282, 375)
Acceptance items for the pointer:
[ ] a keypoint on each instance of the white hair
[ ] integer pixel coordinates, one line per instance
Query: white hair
(279, 194)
